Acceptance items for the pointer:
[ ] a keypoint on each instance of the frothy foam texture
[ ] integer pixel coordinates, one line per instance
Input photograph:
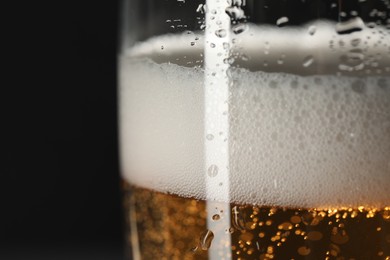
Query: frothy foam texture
(294, 141)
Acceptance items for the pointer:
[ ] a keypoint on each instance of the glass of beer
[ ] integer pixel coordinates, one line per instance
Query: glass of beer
(255, 129)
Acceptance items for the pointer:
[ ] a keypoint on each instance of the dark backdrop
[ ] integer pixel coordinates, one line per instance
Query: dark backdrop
(60, 196)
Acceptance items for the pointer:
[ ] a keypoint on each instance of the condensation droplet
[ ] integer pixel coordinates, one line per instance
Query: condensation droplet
(355, 42)
(238, 218)
(235, 12)
(201, 8)
(205, 239)
(220, 33)
(226, 45)
(239, 28)
(209, 137)
(216, 217)
(213, 170)
(212, 45)
(282, 21)
(308, 61)
(312, 30)
(352, 25)
(229, 60)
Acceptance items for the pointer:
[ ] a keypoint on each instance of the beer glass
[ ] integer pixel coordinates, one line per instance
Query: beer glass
(256, 129)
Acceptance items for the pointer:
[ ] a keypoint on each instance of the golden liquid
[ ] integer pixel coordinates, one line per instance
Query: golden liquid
(172, 227)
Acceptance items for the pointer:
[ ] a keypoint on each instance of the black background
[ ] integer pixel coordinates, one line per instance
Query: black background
(60, 186)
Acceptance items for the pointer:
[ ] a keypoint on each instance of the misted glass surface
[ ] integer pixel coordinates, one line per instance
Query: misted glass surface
(256, 129)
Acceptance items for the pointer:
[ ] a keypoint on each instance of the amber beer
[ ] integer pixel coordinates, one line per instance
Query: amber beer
(173, 227)
(308, 147)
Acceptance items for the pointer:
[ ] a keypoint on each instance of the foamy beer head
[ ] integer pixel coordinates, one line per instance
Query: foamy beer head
(309, 117)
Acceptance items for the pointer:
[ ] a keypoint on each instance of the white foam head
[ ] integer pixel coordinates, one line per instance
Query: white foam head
(308, 140)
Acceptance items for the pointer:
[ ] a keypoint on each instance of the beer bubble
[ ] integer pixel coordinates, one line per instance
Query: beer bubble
(213, 170)
(339, 237)
(294, 84)
(314, 235)
(285, 226)
(295, 219)
(304, 250)
(358, 86)
(386, 214)
(273, 84)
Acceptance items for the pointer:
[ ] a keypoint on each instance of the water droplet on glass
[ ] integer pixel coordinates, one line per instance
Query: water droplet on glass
(209, 137)
(229, 60)
(308, 61)
(162, 47)
(239, 28)
(212, 45)
(205, 239)
(355, 42)
(312, 30)
(238, 218)
(192, 43)
(220, 33)
(353, 60)
(352, 25)
(201, 8)
(226, 45)
(216, 217)
(235, 13)
(213, 170)
(282, 21)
